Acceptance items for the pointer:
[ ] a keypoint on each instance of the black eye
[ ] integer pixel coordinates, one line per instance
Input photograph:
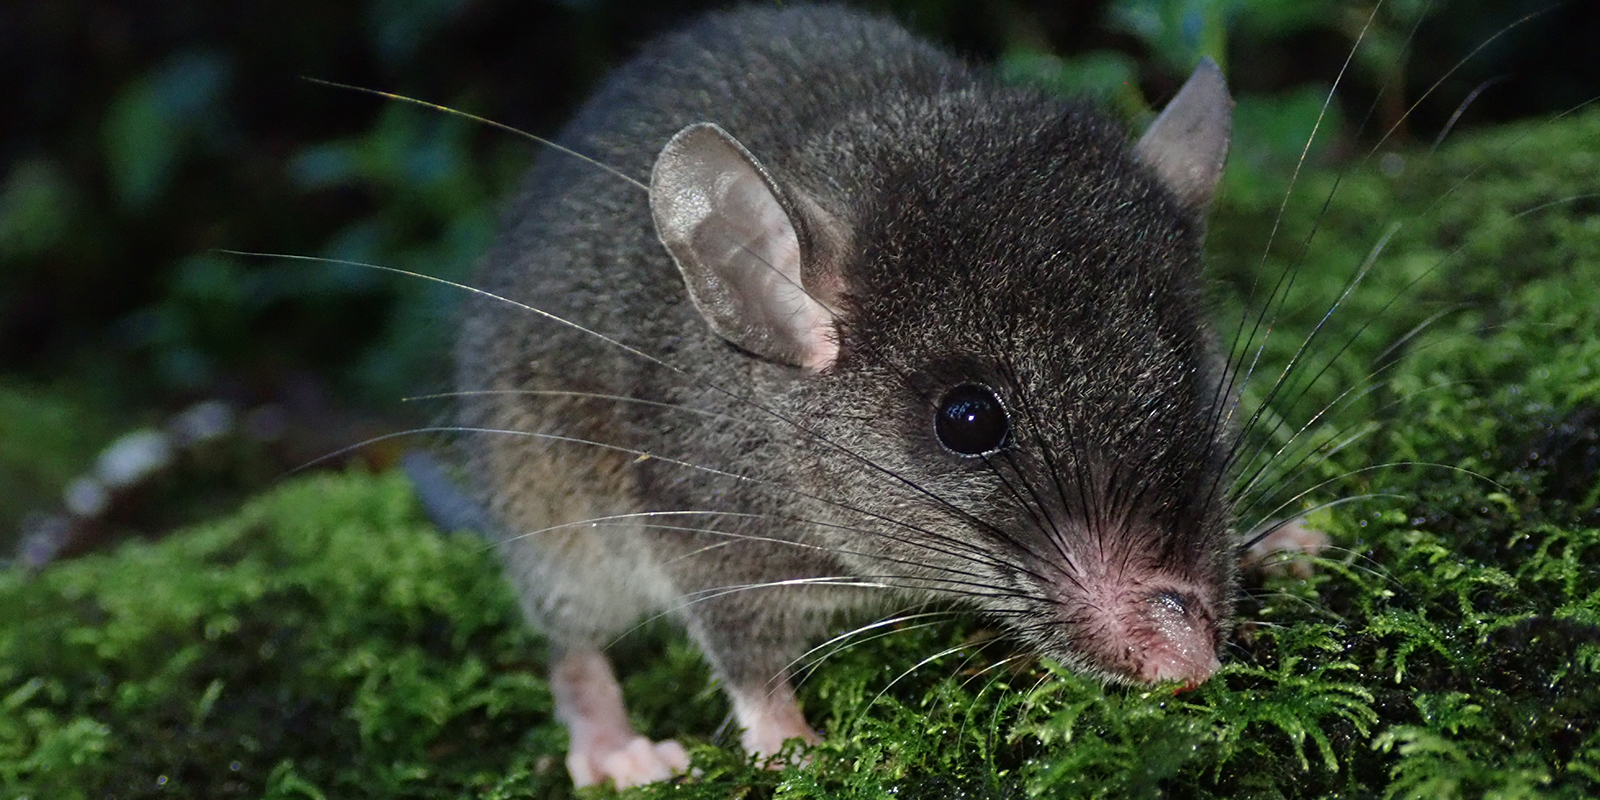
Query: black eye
(971, 421)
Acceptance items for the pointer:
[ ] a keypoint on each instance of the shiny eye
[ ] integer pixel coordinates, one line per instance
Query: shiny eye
(971, 421)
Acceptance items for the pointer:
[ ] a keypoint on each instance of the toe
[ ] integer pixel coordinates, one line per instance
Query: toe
(636, 763)
(583, 769)
(673, 755)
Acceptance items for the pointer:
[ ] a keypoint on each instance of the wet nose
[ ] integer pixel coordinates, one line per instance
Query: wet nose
(1184, 645)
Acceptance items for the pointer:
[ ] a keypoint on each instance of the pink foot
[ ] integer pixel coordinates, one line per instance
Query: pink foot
(1288, 549)
(636, 761)
(604, 745)
(771, 717)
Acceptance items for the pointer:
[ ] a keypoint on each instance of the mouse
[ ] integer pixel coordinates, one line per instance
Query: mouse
(806, 318)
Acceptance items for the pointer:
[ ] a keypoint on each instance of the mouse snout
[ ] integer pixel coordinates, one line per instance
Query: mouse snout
(1145, 634)
(1177, 641)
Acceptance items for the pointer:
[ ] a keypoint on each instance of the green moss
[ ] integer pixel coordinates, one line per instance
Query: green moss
(323, 638)
(324, 642)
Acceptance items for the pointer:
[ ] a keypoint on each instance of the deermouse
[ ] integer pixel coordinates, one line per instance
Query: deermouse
(844, 326)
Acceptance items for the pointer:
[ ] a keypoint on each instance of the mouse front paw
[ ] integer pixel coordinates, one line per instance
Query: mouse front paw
(604, 745)
(633, 762)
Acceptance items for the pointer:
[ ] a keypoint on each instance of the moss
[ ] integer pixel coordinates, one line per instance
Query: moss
(323, 638)
(324, 642)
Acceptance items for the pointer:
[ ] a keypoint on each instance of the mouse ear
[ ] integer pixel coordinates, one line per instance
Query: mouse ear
(1188, 143)
(738, 241)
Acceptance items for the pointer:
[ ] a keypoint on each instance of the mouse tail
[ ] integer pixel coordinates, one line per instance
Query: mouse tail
(443, 502)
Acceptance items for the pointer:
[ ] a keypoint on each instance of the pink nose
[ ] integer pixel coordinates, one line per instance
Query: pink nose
(1178, 645)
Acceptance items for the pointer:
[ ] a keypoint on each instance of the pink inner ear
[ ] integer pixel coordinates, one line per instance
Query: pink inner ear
(721, 217)
(771, 286)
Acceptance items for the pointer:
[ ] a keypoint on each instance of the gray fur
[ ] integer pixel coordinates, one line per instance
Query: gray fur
(964, 232)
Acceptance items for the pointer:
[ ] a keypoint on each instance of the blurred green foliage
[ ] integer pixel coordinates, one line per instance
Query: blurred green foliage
(35, 208)
(46, 438)
(157, 118)
(243, 670)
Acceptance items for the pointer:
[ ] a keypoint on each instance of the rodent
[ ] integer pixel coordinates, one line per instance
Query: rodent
(881, 332)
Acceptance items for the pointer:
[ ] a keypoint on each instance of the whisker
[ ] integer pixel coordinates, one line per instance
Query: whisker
(1305, 345)
(564, 393)
(848, 581)
(991, 673)
(1321, 451)
(1277, 222)
(483, 121)
(1350, 340)
(734, 537)
(1450, 124)
(879, 629)
(912, 669)
(1374, 467)
(972, 554)
(1258, 532)
(1458, 65)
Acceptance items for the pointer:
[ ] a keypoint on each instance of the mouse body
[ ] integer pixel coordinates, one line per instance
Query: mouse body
(867, 330)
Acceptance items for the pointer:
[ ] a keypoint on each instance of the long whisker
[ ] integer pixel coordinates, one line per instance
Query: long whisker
(1461, 108)
(1374, 467)
(874, 466)
(553, 145)
(1458, 65)
(852, 581)
(1319, 454)
(993, 674)
(847, 581)
(633, 351)
(566, 393)
(879, 629)
(972, 552)
(1305, 345)
(1392, 300)
(913, 668)
(1277, 222)
(733, 537)
(1343, 437)
(483, 121)
(1259, 533)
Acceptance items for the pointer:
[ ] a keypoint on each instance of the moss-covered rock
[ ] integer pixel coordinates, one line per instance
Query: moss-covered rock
(323, 641)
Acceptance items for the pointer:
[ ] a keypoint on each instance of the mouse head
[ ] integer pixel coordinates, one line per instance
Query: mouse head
(1010, 393)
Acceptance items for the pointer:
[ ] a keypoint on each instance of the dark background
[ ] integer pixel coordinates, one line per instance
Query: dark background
(137, 140)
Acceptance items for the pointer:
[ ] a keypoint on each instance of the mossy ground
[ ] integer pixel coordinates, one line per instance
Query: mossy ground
(326, 642)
